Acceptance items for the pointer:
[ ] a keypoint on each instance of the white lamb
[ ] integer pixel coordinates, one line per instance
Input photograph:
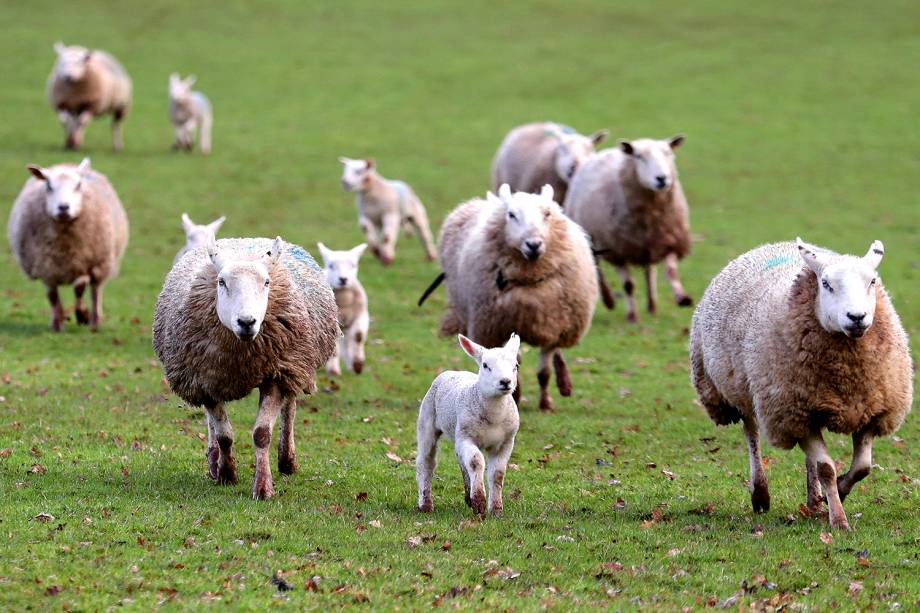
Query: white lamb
(341, 269)
(478, 414)
(190, 111)
(198, 235)
(383, 206)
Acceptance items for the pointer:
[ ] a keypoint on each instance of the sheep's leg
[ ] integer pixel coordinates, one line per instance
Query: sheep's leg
(117, 142)
(57, 309)
(815, 495)
(426, 462)
(75, 141)
(419, 219)
(204, 133)
(408, 229)
(95, 318)
(563, 379)
(498, 465)
(760, 493)
(816, 451)
(332, 364)
(629, 288)
(859, 467)
(79, 311)
(370, 234)
(652, 286)
(287, 459)
(606, 294)
(546, 401)
(189, 134)
(221, 463)
(389, 234)
(473, 461)
(212, 453)
(269, 406)
(358, 337)
(681, 297)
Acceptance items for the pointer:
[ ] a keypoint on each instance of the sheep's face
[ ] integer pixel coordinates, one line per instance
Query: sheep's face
(497, 367)
(200, 235)
(242, 290)
(71, 62)
(654, 160)
(179, 88)
(527, 219)
(63, 189)
(573, 149)
(355, 174)
(341, 266)
(847, 288)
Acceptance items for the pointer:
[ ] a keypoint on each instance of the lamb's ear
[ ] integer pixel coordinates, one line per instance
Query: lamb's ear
(626, 147)
(323, 251)
(600, 136)
(187, 224)
(554, 130)
(60, 48)
(504, 193)
(214, 253)
(38, 172)
(493, 199)
(513, 345)
(356, 252)
(344, 159)
(873, 257)
(215, 225)
(815, 259)
(676, 141)
(371, 164)
(190, 80)
(84, 167)
(472, 349)
(547, 191)
(273, 255)
(173, 77)
(87, 55)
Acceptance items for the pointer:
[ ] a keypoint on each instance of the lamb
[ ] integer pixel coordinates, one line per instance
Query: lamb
(341, 269)
(479, 415)
(545, 153)
(796, 339)
(68, 226)
(87, 83)
(190, 111)
(383, 206)
(198, 235)
(630, 201)
(239, 314)
(515, 263)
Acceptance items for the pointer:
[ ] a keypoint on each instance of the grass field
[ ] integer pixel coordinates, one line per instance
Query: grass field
(799, 117)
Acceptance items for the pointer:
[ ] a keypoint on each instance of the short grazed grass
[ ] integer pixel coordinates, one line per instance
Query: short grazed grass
(799, 120)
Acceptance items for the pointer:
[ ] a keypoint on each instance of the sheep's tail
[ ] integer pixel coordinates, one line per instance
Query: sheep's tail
(434, 285)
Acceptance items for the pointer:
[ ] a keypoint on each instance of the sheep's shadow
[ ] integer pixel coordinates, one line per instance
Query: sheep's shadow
(23, 329)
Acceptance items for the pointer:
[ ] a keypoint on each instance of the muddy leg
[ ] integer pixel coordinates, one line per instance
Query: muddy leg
(95, 317)
(816, 451)
(859, 467)
(57, 309)
(117, 143)
(287, 459)
(760, 493)
(474, 463)
(269, 406)
(681, 297)
(815, 495)
(222, 465)
(79, 310)
(546, 401)
(651, 285)
(606, 293)
(629, 288)
(563, 379)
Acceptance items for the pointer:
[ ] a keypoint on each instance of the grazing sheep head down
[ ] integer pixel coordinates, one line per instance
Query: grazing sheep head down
(180, 88)
(71, 62)
(847, 287)
(654, 161)
(354, 175)
(497, 367)
(527, 218)
(573, 149)
(242, 289)
(63, 189)
(341, 266)
(200, 235)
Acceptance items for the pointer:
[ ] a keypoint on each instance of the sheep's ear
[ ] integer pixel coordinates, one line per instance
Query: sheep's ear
(323, 251)
(356, 252)
(173, 77)
(38, 172)
(815, 259)
(547, 191)
(504, 193)
(190, 80)
(60, 48)
(513, 345)
(472, 349)
(676, 141)
(84, 167)
(554, 131)
(600, 136)
(873, 257)
(493, 199)
(187, 223)
(626, 147)
(87, 55)
(344, 159)
(370, 163)
(214, 253)
(215, 225)
(273, 255)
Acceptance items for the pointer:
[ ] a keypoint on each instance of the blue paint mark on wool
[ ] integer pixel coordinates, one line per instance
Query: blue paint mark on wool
(779, 260)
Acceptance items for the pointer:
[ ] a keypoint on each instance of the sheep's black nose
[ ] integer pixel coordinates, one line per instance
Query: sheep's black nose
(246, 322)
(506, 383)
(661, 180)
(856, 317)
(533, 245)
(343, 280)
(63, 208)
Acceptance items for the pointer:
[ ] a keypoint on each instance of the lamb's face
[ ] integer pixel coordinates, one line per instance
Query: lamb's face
(654, 160)
(242, 289)
(497, 367)
(572, 150)
(200, 235)
(180, 89)
(527, 219)
(71, 62)
(847, 288)
(355, 173)
(63, 189)
(341, 267)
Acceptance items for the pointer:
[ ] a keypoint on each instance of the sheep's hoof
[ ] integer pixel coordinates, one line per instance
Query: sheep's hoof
(426, 507)
(213, 455)
(82, 316)
(497, 510)
(57, 326)
(685, 301)
(760, 500)
(287, 466)
(226, 472)
(546, 404)
(631, 317)
(840, 523)
(263, 490)
(478, 503)
(358, 367)
(432, 257)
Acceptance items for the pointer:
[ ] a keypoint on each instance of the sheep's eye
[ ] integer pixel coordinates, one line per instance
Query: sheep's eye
(511, 215)
(222, 283)
(872, 282)
(545, 214)
(48, 186)
(486, 366)
(827, 285)
(266, 282)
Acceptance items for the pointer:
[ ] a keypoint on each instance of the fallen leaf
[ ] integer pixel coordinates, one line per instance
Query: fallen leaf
(312, 584)
(394, 457)
(361, 496)
(374, 523)
(5, 453)
(827, 538)
(855, 587)
(38, 469)
(667, 473)
(414, 541)
(44, 517)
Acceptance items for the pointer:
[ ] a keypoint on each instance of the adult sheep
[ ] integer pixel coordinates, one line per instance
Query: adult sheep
(543, 153)
(240, 314)
(87, 83)
(67, 227)
(630, 201)
(515, 263)
(795, 339)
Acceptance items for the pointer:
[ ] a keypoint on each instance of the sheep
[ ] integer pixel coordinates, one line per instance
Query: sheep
(68, 226)
(190, 111)
(87, 83)
(383, 206)
(198, 235)
(515, 263)
(341, 269)
(479, 415)
(537, 154)
(239, 314)
(630, 201)
(795, 339)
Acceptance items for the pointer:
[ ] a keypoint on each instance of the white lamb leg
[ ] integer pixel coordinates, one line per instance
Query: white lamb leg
(420, 221)
(652, 287)
(222, 465)
(670, 270)
(472, 461)
(370, 234)
(629, 288)
(332, 364)
(760, 492)
(498, 466)
(816, 451)
(270, 403)
(861, 465)
(357, 338)
(389, 232)
(204, 134)
(427, 460)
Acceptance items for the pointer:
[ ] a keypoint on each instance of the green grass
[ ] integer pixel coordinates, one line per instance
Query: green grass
(800, 121)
